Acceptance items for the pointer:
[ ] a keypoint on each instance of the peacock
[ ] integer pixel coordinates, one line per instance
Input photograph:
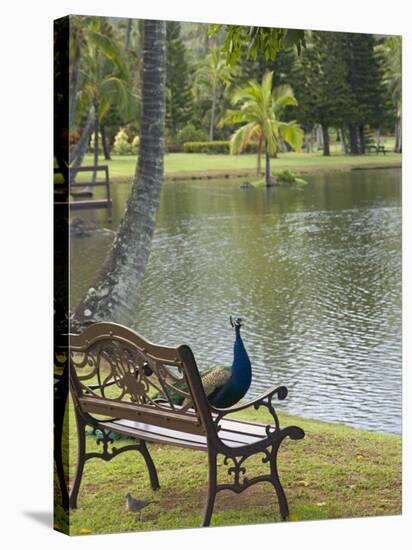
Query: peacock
(225, 386)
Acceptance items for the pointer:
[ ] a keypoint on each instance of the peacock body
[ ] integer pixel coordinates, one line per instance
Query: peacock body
(226, 385)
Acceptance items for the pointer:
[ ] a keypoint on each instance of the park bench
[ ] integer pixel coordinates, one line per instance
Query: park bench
(376, 149)
(128, 383)
(81, 191)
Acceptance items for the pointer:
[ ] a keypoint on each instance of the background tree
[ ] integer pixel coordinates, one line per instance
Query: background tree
(391, 54)
(103, 84)
(261, 110)
(324, 94)
(365, 78)
(282, 67)
(116, 292)
(178, 89)
(211, 77)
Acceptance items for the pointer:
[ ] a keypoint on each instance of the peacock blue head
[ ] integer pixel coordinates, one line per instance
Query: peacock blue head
(236, 323)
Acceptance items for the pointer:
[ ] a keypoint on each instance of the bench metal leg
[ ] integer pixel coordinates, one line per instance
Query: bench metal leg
(211, 494)
(154, 480)
(81, 459)
(58, 457)
(283, 503)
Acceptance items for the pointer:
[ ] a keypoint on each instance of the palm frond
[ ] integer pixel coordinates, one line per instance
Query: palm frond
(292, 133)
(238, 138)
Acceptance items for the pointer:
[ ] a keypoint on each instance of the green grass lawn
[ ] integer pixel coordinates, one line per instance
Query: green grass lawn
(335, 472)
(184, 164)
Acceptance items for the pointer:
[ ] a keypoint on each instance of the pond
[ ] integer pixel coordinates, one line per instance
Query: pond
(315, 273)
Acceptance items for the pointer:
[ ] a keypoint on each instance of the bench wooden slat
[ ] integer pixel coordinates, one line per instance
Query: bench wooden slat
(133, 428)
(92, 203)
(243, 426)
(138, 430)
(88, 184)
(187, 422)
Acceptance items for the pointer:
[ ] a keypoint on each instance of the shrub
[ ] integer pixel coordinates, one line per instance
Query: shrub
(189, 134)
(214, 147)
(285, 177)
(121, 144)
(91, 143)
(174, 148)
(209, 147)
(135, 145)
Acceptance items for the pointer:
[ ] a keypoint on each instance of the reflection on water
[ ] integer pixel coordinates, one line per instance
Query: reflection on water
(315, 273)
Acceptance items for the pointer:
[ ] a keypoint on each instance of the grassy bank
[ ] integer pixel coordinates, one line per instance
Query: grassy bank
(335, 472)
(179, 166)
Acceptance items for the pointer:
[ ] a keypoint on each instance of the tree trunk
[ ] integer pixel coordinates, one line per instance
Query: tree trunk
(318, 137)
(105, 145)
(96, 139)
(213, 113)
(378, 137)
(128, 33)
(353, 140)
(398, 136)
(325, 134)
(343, 141)
(259, 156)
(362, 144)
(267, 170)
(74, 83)
(116, 294)
(76, 158)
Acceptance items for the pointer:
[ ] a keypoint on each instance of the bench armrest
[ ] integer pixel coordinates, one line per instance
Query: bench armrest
(263, 400)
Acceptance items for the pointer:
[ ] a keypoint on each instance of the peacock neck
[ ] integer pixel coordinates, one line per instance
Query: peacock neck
(241, 367)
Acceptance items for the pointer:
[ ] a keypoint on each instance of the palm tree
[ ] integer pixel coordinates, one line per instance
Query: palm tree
(115, 295)
(261, 110)
(105, 78)
(103, 83)
(210, 77)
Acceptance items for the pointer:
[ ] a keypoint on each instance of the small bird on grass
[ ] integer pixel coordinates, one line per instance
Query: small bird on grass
(134, 505)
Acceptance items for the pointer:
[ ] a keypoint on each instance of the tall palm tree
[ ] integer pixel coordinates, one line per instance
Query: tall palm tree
(210, 77)
(115, 294)
(260, 109)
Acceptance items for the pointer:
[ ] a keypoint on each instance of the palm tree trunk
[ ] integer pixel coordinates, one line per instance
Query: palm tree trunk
(74, 83)
(128, 33)
(213, 113)
(259, 157)
(267, 170)
(105, 145)
(76, 158)
(96, 139)
(116, 294)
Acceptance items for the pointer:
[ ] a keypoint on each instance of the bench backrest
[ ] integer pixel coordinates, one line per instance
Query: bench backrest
(115, 372)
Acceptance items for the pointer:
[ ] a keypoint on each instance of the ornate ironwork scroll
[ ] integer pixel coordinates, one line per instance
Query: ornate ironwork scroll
(115, 370)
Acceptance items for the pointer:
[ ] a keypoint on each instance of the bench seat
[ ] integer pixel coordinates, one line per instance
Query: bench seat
(233, 433)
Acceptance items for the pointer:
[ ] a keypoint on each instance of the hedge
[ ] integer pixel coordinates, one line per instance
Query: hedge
(214, 147)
